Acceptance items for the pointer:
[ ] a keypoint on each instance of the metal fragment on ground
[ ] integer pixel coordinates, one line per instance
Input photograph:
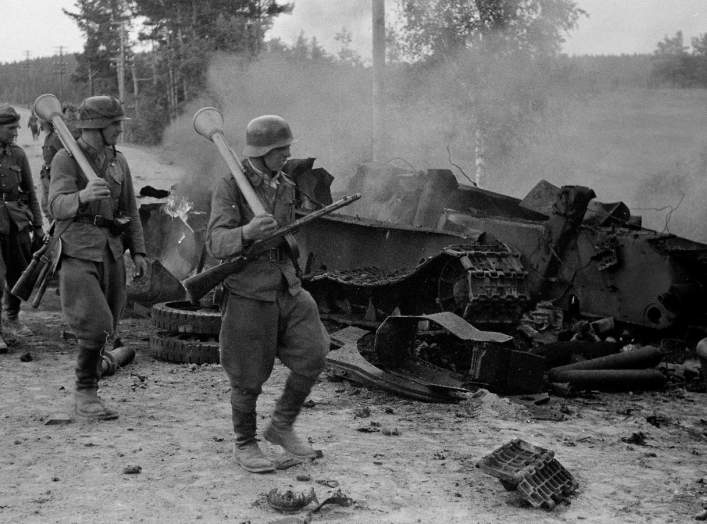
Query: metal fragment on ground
(533, 471)
(289, 501)
(348, 361)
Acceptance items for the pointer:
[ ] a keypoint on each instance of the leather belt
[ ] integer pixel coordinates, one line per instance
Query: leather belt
(276, 254)
(96, 220)
(4, 197)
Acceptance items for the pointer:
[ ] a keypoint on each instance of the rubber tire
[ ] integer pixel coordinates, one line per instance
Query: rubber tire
(172, 348)
(185, 318)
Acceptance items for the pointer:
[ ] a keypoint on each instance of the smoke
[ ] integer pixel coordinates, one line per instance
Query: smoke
(329, 109)
(643, 147)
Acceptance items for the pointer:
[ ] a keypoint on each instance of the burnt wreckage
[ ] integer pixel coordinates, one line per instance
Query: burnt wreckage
(418, 243)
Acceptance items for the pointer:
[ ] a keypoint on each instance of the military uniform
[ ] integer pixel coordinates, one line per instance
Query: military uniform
(51, 145)
(266, 312)
(92, 272)
(19, 215)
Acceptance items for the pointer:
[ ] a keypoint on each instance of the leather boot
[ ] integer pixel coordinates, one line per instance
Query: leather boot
(245, 449)
(86, 402)
(280, 430)
(89, 406)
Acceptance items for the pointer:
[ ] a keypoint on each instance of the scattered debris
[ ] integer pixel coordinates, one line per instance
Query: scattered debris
(363, 412)
(658, 420)
(390, 431)
(58, 419)
(373, 427)
(289, 501)
(132, 470)
(336, 498)
(303, 477)
(533, 471)
(288, 461)
(328, 483)
(638, 438)
(68, 336)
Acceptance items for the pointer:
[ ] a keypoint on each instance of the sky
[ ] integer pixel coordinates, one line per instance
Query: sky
(39, 27)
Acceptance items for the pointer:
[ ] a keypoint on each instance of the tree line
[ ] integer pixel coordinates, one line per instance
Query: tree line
(496, 61)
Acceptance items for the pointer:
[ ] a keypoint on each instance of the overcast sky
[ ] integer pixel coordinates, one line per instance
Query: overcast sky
(612, 27)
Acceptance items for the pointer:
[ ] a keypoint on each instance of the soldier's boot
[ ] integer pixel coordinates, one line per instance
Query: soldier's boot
(245, 448)
(280, 430)
(87, 404)
(15, 327)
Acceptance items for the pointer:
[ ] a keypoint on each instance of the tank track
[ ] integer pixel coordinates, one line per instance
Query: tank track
(483, 283)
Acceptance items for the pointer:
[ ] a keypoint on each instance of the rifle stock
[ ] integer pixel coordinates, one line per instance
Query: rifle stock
(198, 285)
(39, 264)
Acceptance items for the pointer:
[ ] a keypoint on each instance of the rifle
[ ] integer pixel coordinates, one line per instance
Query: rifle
(46, 259)
(200, 284)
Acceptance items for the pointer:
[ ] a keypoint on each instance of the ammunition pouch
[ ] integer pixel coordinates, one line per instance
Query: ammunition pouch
(117, 226)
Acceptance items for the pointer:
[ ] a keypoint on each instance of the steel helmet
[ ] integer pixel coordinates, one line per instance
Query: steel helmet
(8, 115)
(97, 112)
(265, 133)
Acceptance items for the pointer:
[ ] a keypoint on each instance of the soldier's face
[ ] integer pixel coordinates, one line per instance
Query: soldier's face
(276, 158)
(8, 133)
(112, 132)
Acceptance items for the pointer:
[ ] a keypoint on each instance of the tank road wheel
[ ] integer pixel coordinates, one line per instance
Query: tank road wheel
(452, 288)
(181, 350)
(185, 318)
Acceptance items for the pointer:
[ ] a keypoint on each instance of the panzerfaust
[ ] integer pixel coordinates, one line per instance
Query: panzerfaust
(208, 122)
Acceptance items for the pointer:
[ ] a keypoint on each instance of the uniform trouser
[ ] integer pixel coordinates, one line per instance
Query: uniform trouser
(16, 250)
(254, 332)
(93, 296)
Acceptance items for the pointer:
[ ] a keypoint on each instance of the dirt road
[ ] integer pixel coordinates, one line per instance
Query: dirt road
(400, 461)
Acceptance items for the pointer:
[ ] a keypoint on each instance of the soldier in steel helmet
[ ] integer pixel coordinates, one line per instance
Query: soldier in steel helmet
(101, 221)
(20, 216)
(266, 312)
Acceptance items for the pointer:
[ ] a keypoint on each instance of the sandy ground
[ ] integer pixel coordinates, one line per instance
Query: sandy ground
(175, 425)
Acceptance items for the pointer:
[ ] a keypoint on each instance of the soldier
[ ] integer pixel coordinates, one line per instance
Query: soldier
(266, 312)
(20, 217)
(101, 221)
(33, 124)
(51, 145)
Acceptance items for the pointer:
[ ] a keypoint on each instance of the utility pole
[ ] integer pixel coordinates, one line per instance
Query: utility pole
(378, 105)
(60, 69)
(26, 67)
(121, 62)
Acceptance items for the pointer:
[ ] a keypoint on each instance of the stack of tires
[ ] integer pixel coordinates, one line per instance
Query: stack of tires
(185, 333)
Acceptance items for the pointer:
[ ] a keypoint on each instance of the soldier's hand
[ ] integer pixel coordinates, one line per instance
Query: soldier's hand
(140, 266)
(260, 227)
(96, 189)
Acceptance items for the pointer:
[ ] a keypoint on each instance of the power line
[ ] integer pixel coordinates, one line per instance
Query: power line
(60, 69)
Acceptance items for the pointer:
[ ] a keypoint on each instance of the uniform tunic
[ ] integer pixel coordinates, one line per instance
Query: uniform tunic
(51, 145)
(19, 209)
(266, 313)
(92, 273)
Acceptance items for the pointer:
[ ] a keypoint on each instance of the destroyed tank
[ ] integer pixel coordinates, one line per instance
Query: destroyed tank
(421, 242)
